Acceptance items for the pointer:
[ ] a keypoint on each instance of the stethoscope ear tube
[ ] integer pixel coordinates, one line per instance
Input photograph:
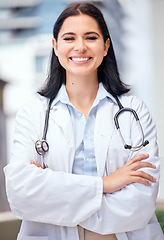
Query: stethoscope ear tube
(145, 143)
(121, 110)
(124, 110)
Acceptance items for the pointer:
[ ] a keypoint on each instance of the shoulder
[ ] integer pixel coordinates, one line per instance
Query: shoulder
(36, 104)
(133, 102)
(139, 106)
(130, 99)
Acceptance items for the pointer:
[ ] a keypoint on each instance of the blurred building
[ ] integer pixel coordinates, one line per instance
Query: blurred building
(3, 149)
(25, 45)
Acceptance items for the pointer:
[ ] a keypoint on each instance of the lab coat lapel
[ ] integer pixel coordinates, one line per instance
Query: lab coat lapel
(104, 128)
(60, 115)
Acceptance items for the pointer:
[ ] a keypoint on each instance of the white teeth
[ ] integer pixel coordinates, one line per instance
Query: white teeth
(80, 59)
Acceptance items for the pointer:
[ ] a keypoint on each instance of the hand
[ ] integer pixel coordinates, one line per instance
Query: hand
(36, 164)
(128, 174)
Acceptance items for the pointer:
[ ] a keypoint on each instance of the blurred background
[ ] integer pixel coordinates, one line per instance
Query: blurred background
(136, 28)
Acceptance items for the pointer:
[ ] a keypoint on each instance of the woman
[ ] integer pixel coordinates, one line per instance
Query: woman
(87, 186)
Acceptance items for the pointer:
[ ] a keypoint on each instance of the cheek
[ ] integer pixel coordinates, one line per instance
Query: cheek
(62, 61)
(59, 51)
(100, 49)
(62, 58)
(62, 51)
(100, 55)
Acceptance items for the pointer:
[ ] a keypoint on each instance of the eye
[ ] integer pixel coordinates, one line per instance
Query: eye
(68, 38)
(91, 38)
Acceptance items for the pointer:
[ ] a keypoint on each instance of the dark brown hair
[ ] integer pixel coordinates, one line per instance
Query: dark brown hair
(107, 72)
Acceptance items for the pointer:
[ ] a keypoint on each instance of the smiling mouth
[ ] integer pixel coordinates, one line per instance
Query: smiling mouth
(80, 59)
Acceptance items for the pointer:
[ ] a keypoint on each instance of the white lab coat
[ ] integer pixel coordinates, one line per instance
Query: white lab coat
(52, 202)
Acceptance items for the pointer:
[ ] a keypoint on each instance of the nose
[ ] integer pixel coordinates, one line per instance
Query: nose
(80, 46)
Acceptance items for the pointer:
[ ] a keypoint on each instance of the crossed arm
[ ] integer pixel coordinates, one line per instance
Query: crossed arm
(127, 174)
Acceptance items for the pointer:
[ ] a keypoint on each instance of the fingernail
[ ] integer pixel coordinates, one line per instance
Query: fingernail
(154, 166)
(146, 155)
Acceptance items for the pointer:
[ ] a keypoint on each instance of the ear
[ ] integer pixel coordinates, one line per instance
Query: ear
(54, 44)
(106, 46)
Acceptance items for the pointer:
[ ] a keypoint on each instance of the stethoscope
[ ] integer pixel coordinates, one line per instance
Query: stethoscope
(42, 146)
(120, 111)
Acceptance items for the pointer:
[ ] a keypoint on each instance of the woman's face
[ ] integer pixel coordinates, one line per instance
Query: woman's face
(80, 46)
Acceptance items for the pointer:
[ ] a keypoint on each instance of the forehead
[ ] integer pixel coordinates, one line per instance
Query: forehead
(80, 23)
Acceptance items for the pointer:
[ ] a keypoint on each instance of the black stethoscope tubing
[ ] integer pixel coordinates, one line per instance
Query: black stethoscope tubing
(120, 111)
(42, 146)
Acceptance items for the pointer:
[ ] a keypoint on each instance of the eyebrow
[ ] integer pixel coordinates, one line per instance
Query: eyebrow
(73, 34)
(88, 33)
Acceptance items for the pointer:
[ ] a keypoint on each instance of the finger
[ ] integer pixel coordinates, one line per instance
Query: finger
(32, 162)
(137, 165)
(141, 180)
(38, 164)
(137, 158)
(144, 175)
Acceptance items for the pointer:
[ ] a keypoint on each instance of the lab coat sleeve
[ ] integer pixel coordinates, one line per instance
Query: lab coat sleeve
(132, 207)
(41, 195)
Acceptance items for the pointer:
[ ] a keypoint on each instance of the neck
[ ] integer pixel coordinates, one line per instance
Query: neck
(81, 89)
(82, 92)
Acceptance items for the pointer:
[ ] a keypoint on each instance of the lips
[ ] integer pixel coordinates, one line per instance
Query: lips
(80, 59)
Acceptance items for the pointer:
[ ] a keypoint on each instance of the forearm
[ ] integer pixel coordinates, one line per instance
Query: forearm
(124, 207)
(40, 195)
(128, 174)
(130, 208)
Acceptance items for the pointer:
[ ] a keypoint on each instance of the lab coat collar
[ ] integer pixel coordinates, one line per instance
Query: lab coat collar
(62, 95)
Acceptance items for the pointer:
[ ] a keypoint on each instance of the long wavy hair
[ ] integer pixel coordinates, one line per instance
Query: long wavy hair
(107, 72)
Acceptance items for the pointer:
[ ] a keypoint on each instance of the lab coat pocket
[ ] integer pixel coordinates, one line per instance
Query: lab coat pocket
(21, 237)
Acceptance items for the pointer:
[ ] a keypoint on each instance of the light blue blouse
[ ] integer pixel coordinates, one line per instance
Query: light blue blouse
(84, 161)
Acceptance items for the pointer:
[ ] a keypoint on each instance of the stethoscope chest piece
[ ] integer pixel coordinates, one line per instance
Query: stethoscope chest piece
(41, 147)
